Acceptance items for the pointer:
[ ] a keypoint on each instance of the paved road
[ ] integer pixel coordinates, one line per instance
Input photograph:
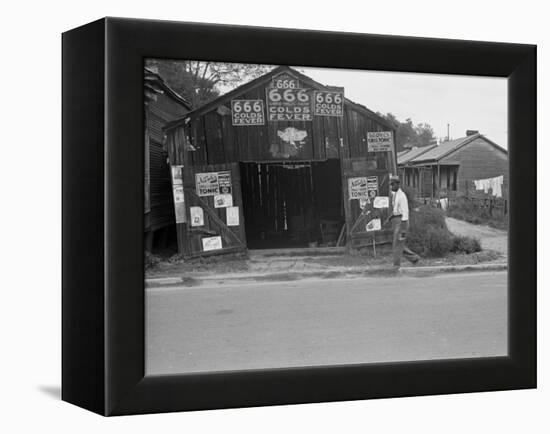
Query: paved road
(490, 238)
(318, 322)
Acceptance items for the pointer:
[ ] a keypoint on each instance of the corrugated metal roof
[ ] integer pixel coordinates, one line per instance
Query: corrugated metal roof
(155, 84)
(439, 151)
(406, 156)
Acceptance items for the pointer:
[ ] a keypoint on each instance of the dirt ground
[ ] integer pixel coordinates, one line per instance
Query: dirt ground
(493, 241)
(490, 238)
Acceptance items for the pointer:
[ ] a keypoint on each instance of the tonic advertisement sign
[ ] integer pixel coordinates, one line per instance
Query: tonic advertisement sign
(357, 188)
(380, 141)
(207, 184)
(291, 104)
(247, 112)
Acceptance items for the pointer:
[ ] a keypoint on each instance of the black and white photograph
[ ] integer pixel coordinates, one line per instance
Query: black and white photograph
(275, 218)
(298, 216)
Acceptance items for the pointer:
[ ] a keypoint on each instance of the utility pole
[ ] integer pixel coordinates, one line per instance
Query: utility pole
(448, 133)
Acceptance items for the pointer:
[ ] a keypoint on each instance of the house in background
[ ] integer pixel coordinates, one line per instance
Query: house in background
(162, 105)
(450, 169)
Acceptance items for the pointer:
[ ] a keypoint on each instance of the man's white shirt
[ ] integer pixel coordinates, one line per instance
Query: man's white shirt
(400, 204)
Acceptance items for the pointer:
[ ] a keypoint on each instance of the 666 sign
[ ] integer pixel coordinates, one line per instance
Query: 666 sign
(247, 112)
(290, 104)
(329, 103)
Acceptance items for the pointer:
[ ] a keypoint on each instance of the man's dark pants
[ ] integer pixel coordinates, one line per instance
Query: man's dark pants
(400, 229)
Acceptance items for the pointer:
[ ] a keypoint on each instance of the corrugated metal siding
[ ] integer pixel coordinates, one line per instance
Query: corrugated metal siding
(158, 112)
(162, 203)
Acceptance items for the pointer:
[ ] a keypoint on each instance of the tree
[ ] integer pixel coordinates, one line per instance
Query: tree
(201, 82)
(409, 135)
(425, 135)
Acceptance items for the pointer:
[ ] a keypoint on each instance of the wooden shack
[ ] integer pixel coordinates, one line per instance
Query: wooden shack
(162, 105)
(449, 169)
(281, 161)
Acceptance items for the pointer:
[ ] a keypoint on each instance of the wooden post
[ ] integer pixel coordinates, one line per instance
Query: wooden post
(438, 181)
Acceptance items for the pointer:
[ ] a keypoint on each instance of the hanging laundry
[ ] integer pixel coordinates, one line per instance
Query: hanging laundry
(494, 184)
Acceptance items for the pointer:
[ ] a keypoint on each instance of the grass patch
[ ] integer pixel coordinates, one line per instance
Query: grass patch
(472, 212)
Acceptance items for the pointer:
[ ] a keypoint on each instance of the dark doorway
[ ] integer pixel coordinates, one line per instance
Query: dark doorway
(294, 204)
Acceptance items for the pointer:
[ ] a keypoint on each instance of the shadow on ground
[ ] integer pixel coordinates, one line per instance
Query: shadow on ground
(51, 391)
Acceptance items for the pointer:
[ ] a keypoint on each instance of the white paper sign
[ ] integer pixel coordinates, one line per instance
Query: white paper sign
(177, 175)
(197, 216)
(223, 200)
(211, 243)
(178, 194)
(381, 202)
(374, 225)
(232, 216)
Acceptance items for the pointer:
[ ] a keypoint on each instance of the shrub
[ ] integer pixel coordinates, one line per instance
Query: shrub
(439, 241)
(468, 245)
(428, 234)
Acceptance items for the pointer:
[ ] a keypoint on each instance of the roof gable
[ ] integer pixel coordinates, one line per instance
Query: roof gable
(447, 148)
(264, 79)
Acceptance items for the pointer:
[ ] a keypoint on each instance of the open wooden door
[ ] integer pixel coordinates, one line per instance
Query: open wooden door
(214, 213)
(366, 193)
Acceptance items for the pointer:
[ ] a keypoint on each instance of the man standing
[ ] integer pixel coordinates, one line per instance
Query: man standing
(399, 218)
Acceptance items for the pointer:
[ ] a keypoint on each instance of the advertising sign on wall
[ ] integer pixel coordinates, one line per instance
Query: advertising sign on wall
(207, 184)
(382, 202)
(224, 182)
(212, 243)
(374, 225)
(232, 216)
(329, 103)
(372, 186)
(178, 194)
(247, 112)
(197, 216)
(357, 188)
(285, 81)
(380, 141)
(223, 200)
(292, 104)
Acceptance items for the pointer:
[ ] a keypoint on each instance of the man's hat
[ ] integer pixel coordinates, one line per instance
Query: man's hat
(394, 179)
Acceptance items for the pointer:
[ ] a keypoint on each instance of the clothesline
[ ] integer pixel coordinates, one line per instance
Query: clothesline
(494, 184)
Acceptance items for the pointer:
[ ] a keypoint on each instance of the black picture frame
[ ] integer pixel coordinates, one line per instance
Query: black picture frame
(103, 265)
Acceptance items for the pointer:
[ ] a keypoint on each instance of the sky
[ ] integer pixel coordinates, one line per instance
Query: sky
(464, 102)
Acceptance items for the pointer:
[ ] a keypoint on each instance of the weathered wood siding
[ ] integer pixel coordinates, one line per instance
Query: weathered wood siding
(478, 160)
(215, 140)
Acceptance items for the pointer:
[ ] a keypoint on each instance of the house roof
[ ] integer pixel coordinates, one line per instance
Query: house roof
(437, 152)
(154, 84)
(404, 157)
(265, 79)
